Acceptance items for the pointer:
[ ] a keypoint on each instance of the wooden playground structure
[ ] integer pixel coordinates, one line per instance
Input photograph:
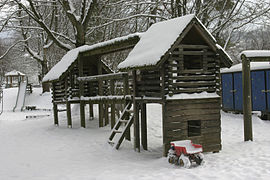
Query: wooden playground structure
(185, 80)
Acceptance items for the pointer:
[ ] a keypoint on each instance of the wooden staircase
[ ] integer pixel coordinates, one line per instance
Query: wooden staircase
(122, 126)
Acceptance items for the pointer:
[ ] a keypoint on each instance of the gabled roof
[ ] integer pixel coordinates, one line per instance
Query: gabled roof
(14, 73)
(71, 56)
(159, 39)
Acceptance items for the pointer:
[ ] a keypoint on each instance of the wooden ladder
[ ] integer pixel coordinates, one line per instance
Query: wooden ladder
(124, 124)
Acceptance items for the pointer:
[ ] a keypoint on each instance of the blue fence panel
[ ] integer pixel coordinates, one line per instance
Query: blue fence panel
(227, 95)
(238, 91)
(268, 89)
(258, 91)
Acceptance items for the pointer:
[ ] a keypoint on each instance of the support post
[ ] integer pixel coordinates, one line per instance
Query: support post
(144, 126)
(55, 113)
(69, 114)
(81, 90)
(112, 115)
(106, 114)
(164, 130)
(91, 111)
(246, 98)
(100, 92)
(136, 114)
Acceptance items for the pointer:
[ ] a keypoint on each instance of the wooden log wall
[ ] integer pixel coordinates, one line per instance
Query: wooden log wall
(148, 83)
(179, 114)
(184, 76)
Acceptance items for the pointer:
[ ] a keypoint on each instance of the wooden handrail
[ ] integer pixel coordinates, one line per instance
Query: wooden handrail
(113, 76)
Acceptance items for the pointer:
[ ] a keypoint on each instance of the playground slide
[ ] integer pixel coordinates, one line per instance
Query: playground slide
(20, 97)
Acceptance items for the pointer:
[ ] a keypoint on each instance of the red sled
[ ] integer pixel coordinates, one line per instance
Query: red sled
(184, 153)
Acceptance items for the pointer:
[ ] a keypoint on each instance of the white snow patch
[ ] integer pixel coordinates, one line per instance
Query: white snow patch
(253, 66)
(256, 53)
(72, 55)
(36, 149)
(193, 96)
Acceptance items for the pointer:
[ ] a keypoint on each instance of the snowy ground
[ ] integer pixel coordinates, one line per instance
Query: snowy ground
(34, 149)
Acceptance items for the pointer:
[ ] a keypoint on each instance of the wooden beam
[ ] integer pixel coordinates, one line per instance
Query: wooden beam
(103, 77)
(246, 81)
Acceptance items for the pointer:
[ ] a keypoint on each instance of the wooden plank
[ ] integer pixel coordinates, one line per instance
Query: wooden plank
(202, 117)
(173, 107)
(193, 101)
(187, 112)
(187, 46)
(103, 77)
(194, 84)
(194, 77)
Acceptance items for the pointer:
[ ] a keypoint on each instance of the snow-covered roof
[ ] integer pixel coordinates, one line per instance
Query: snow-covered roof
(253, 66)
(256, 53)
(158, 39)
(14, 73)
(73, 54)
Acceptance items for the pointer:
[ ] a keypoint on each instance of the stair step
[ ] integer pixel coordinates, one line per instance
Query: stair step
(117, 131)
(123, 121)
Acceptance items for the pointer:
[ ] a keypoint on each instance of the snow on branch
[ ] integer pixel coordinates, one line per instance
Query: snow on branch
(123, 19)
(7, 51)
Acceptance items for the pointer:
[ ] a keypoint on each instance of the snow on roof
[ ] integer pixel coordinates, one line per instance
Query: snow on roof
(72, 55)
(155, 42)
(14, 73)
(253, 66)
(256, 53)
(158, 39)
(223, 51)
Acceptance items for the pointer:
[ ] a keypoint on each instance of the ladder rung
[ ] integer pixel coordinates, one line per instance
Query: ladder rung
(111, 142)
(130, 110)
(123, 121)
(117, 131)
(60, 110)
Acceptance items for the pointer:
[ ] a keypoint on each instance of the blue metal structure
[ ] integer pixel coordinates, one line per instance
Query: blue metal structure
(227, 95)
(232, 92)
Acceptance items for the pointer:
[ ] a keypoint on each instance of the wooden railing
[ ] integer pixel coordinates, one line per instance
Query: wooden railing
(107, 84)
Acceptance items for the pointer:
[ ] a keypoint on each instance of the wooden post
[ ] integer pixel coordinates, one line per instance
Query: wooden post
(164, 130)
(100, 92)
(126, 88)
(136, 115)
(106, 113)
(112, 89)
(55, 113)
(91, 111)
(112, 115)
(246, 98)
(69, 114)
(144, 126)
(81, 90)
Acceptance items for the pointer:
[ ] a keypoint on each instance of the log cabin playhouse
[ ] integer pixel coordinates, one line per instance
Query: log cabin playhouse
(175, 63)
